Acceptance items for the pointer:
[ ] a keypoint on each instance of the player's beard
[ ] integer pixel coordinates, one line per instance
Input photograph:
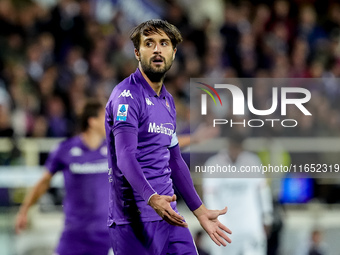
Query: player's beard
(155, 74)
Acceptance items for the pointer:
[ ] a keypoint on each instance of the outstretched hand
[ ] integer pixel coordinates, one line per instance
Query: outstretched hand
(210, 223)
(20, 222)
(161, 204)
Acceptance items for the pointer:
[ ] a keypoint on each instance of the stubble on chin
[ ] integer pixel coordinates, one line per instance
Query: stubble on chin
(155, 74)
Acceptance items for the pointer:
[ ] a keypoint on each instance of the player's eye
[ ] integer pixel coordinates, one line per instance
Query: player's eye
(148, 44)
(164, 43)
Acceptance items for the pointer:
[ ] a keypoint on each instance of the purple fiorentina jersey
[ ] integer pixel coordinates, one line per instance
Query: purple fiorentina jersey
(87, 194)
(134, 106)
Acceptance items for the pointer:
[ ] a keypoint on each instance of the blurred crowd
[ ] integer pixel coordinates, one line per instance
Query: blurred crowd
(54, 57)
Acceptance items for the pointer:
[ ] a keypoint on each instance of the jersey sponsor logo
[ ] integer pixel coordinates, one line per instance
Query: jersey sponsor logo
(122, 112)
(89, 168)
(148, 101)
(76, 152)
(163, 128)
(125, 93)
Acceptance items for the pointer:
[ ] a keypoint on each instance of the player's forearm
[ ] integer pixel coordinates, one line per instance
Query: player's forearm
(183, 140)
(134, 175)
(180, 175)
(126, 144)
(33, 196)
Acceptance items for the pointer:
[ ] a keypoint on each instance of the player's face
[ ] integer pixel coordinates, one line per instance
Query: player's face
(155, 54)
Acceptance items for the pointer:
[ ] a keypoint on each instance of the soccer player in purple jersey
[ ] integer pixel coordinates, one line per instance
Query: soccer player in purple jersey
(145, 160)
(83, 161)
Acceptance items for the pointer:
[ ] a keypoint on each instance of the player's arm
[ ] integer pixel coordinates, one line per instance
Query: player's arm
(180, 175)
(31, 198)
(202, 133)
(126, 146)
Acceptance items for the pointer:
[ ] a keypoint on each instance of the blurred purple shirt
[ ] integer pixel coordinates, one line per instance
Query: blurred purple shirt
(87, 193)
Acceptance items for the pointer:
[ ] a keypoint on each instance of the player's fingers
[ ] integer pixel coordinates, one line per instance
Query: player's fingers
(221, 226)
(171, 222)
(166, 218)
(219, 239)
(224, 211)
(223, 235)
(175, 215)
(212, 236)
(169, 199)
(174, 221)
(20, 225)
(179, 222)
(174, 198)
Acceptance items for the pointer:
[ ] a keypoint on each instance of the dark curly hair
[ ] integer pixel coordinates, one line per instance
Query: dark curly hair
(156, 26)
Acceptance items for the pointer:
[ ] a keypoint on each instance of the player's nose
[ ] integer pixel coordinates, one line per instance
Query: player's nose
(157, 48)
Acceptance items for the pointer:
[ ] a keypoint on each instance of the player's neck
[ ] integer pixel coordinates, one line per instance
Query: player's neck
(91, 138)
(156, 86)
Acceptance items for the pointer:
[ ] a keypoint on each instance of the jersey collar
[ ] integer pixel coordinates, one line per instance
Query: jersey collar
(147, 87)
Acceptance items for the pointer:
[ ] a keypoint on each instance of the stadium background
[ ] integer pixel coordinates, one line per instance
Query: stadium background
(55, 54)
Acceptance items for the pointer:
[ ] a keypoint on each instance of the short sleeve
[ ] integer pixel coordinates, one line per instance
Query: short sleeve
(174, 140)
(126, 110)
(54, 161)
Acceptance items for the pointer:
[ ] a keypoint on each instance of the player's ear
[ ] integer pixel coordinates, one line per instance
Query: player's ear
(137, 55)
(174, 54)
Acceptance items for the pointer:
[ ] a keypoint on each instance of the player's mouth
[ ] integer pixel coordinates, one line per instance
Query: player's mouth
(157, 60)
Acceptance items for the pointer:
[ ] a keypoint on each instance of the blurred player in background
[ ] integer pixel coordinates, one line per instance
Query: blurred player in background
(83, 161)
(315, 246)
(251, 209)
(145, 160)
